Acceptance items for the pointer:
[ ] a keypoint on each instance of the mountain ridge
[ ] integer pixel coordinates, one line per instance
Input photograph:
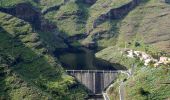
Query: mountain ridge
(35, 33)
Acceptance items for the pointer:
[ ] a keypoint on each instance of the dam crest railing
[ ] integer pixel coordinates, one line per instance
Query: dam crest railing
(97, 71)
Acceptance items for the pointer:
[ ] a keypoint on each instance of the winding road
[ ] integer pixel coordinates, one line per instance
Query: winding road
(129, 73)
(122, 91)
(105, 96)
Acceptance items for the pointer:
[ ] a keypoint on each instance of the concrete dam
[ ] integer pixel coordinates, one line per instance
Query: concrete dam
(94, 80)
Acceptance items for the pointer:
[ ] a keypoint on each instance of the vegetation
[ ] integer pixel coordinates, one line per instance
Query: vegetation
(102, 7)
(69, 19)
(11, 3)
(115, 55)
(23, 52)
(143, 21)
(146, 83)
(154, 87)
(29, 68)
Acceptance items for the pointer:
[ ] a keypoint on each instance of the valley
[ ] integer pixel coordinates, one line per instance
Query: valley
(47, 45)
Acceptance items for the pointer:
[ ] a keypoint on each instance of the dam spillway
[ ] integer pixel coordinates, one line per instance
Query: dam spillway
(94, 80)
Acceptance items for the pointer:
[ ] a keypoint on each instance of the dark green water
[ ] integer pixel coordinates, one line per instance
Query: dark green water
(83, 59)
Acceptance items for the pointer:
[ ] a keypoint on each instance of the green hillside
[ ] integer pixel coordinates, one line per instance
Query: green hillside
(27, 60)
(148, 23)
(146, 83)
(40, 39)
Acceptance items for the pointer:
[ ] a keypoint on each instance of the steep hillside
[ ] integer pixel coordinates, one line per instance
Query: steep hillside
(145, 28)
(69, 18)
(148, 23)
(97, 21)
(39, 39)
(143, 83)
(12, 82)
(25, 56)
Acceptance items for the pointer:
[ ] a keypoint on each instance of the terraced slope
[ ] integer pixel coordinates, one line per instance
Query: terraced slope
(145, 28)
(148, 23)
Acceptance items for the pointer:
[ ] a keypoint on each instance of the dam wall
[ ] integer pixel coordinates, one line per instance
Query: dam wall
(95, 80)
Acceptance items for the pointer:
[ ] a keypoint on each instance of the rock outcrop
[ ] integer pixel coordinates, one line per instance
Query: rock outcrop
(53, 8)
(117, 13)
(26, 12)
(123, 10)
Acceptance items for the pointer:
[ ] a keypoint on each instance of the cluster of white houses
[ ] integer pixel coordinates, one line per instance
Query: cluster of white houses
(148, 59)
